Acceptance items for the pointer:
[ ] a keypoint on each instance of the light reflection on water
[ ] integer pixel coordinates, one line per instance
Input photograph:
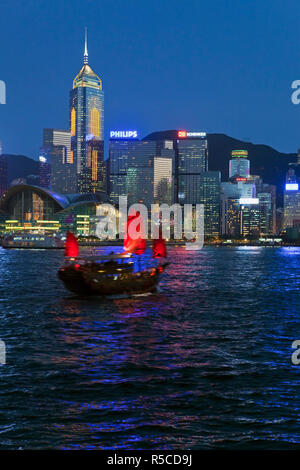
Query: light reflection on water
(204, 363)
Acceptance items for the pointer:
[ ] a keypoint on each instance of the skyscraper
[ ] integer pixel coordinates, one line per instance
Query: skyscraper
(250, 217)
(139, 170)
(87, 127)
(44, 171)
(57, 152)
(231, 192)
(257, 181)
(163, 180)
(58, 137)
(298, 157)
(97, 166)
(240, 216)
(230, 217)
(291, 200)
(271, 191)
(210, 182)
(265, 206)
(240, 219)
(239, 164)
(190, 160)
(3, 172)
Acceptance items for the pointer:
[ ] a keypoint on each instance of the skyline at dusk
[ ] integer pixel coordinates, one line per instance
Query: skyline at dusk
(166, 66)
(149, 229)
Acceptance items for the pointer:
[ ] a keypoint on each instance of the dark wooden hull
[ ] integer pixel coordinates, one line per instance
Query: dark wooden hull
(88, 282)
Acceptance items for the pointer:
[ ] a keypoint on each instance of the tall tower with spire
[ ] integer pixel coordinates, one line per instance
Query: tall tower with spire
(87, 128)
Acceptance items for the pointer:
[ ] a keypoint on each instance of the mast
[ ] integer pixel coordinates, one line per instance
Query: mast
(85, 55)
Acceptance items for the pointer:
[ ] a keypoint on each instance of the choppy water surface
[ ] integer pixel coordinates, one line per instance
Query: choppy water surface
(204, 364)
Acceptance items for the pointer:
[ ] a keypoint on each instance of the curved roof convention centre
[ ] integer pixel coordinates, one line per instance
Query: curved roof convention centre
(63, 201)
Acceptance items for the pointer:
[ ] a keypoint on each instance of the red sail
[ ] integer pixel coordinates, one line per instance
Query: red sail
(71, 247)
(159, 247)
(137, 246)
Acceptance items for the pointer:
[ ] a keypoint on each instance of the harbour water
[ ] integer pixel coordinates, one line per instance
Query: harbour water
(203, 364)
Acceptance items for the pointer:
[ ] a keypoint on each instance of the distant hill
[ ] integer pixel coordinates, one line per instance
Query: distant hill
(264, 160)
(20, 166)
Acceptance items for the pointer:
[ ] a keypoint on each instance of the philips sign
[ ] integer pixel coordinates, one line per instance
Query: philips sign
(123, 134)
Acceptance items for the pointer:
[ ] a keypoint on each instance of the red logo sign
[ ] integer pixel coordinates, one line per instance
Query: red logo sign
(182, 134)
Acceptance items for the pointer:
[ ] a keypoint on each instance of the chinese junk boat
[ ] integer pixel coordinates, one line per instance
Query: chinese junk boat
(113, 274)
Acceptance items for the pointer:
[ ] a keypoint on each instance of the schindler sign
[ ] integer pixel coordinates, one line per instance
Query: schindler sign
(2, 92)
(185, 134)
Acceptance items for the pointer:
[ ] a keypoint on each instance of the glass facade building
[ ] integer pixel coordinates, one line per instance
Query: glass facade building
(241, 220)
(231, 192)
(3, 174)
(192, 162)
(210, 182)
(265, 207)
(189, 158)
(291, 202)
(141, 170)
(56, 152)
(60, 138)
(97, 166)
(231, 220)
(239, 164)
(163, 180)
(44, 170)
(250, 220)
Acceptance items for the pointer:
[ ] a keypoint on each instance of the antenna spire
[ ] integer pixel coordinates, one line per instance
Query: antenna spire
(85, 56)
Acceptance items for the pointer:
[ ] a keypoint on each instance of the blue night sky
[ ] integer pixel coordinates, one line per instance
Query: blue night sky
(220, 66)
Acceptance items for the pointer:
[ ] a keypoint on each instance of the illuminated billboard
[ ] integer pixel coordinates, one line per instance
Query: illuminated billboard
(123, 134)
(244, 201)
(291, 186)
(185, 134)
(239, 153)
